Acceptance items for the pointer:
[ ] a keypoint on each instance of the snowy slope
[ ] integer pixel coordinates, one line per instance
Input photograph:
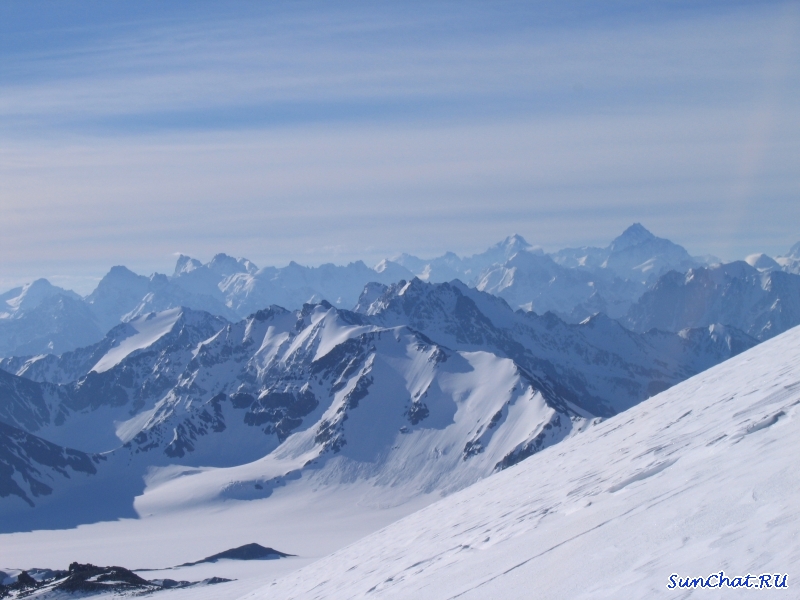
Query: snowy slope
(693, 481)
(697, 480)
(145, 330)
(431, 422)
(439, 376)
(67, 401)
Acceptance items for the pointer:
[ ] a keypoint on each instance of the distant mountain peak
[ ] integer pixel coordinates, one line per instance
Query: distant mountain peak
(632, 236)
(225, 264)
(515, 240)
(33, 294)
(794, 251)
(511, 245)
(186, 264)
(120, 272)
(762, 262)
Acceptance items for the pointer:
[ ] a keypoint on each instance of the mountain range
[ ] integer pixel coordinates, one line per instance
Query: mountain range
(625, 280)
(426, 387)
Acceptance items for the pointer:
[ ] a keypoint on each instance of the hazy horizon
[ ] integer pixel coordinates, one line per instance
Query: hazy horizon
(338, 132)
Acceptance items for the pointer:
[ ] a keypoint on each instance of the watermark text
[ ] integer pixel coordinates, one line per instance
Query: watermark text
(720, 580)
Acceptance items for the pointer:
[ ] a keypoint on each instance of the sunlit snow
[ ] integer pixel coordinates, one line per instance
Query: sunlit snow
(147, 329)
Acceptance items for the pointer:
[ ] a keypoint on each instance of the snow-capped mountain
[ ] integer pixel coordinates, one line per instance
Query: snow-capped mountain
(317, 390)
(696, 483)
(232, 288)
(762, 262)
(86, 396)
(123, 295)
(760, 301)
(597, 365)
(449, 266)
(294, 285)
(536, 283)
(42, 318)
(636, 254)
(577, 283)
(28, 297)
(791, 261)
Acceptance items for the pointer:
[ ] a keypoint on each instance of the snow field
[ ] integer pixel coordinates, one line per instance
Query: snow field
(698, 479)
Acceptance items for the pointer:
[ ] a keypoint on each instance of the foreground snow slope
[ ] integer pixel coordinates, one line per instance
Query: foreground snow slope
(698, 479)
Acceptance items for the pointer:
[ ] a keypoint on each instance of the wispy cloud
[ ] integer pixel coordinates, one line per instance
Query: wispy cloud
(373, 130)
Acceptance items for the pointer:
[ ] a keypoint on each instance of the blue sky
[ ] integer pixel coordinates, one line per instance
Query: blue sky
(335, 131)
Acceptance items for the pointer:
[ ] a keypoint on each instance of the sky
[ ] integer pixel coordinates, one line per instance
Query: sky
(337, 131)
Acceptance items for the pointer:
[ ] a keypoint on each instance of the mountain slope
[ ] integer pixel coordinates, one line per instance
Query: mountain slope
(577, 283)
(294, 285)
(165, 381)
(574, 283)
(692, 482)
(315, 394)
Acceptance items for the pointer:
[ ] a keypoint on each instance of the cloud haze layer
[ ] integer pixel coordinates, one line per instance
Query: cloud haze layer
(344, 131)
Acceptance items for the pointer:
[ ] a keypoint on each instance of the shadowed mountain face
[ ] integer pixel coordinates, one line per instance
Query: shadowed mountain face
(31, 466)
(246, 552)
(598, 365)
